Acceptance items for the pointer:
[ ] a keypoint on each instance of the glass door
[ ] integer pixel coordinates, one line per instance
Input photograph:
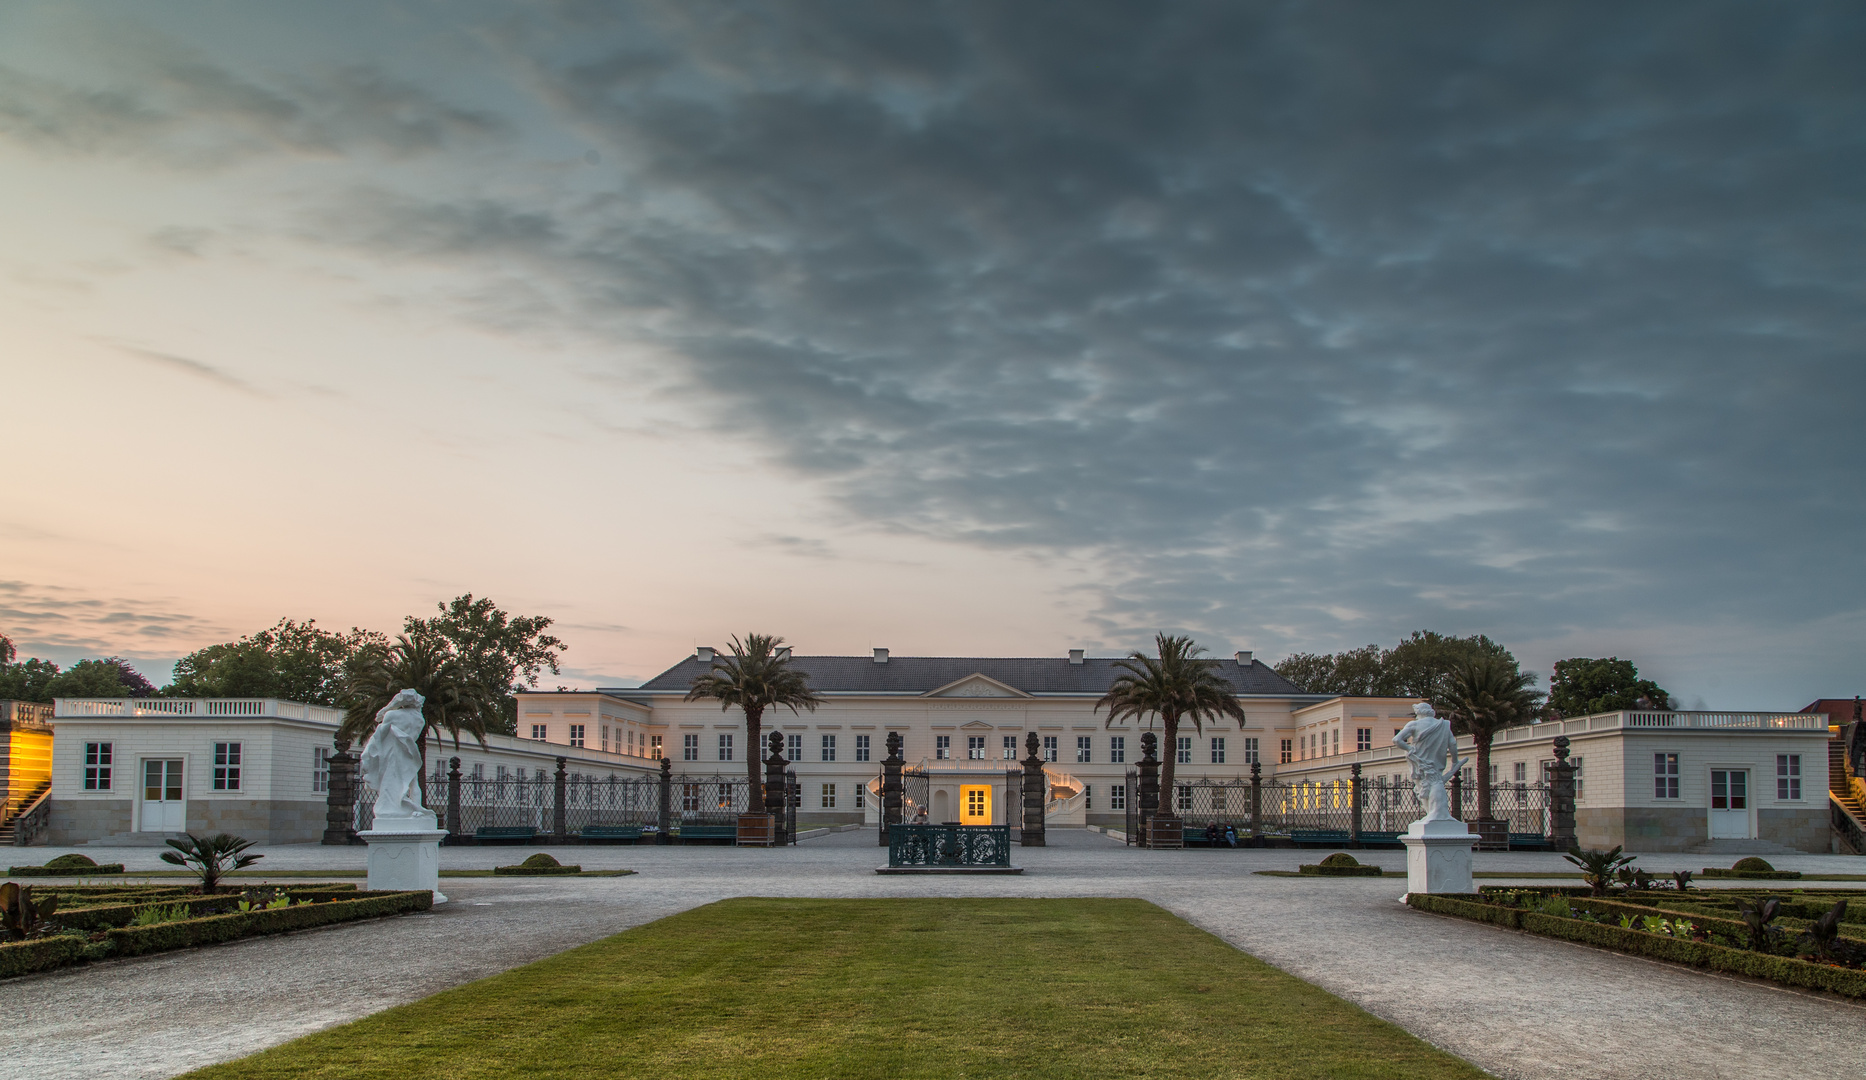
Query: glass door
(1729, 808)
(164, 808)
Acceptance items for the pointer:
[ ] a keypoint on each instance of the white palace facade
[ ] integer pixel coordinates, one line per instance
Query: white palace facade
(130, 771)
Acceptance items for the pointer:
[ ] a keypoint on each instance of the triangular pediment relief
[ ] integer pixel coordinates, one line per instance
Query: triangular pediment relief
(977, 725)
(977, 686)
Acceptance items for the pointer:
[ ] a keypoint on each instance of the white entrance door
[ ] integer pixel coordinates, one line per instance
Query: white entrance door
(164, 809)
(1729, 808)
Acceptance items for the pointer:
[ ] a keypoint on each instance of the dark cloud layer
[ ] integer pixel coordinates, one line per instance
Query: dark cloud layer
(1313, 323)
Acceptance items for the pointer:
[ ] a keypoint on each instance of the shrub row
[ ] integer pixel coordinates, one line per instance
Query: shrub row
(1782, 969)
(1321, 870)
(1766, 875)
(102, 916)
(26, 957)
(214, 929)
(528, 871)
(60, 871)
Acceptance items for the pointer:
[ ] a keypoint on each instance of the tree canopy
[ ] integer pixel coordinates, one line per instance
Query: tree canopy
(1583, 686)
(39, 680)
(756, 677)
(493, 648)
(295, 661)
(1421, 666)
(1177, 685)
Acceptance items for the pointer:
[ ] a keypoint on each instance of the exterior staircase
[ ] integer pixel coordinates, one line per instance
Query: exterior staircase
(1847, 809)
(8, 829)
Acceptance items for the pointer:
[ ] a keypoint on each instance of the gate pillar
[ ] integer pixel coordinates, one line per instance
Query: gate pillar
(1149, 783)
(891, 785)
(340, 800)
(1031, 835)
(1561, 798)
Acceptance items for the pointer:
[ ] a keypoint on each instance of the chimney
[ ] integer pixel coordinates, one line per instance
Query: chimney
(783, 652)
(705, 654)
(1075, 656)
(881, 656)
(1244, 658)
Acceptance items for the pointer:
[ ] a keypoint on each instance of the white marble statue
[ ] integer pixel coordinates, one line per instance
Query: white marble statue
(392, 762)
(1428, 741)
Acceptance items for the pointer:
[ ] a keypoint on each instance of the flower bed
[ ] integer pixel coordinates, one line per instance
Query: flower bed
(100, 938)
(1653, 932)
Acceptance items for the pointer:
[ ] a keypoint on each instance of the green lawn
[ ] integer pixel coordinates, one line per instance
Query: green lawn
(864, 989)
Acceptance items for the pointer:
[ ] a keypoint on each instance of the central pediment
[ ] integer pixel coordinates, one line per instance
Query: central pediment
(976, 686)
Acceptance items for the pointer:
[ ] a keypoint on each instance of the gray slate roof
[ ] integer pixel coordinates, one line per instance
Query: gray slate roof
(920, 674)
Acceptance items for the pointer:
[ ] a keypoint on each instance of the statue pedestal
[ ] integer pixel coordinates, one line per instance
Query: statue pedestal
(404, 861)
(1438, 857)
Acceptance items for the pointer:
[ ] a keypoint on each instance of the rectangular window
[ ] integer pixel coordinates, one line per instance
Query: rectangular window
(975, 747)
(576, 735)
(1010, 748)
(605, 734)
(654, 747)
(1285, 753)
(1578, 763)
(320, 769)
(1117, 749)
(793, 746)
(1117, 796)
(1083, 752)
(1050, 750)
(861, 748)
(537, 732)
(1185, 797)
(1088, 797)
(1336, 737)
(829, 748)
(829, 796)
(1250, 752)
(1364, 738)
(1522, 772)
(1787, 776)
(226, 766)
(1183, 752)
(725, 747)
(690, 793)
(942, 747)
(97, 757)
(1665, 776)
(1218, 751)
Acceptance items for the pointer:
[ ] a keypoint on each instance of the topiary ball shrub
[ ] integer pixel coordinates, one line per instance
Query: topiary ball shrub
(1753, 864)
(540, 859)
(73, 861)
(71, 865)
(524, 870)
(1340, 864)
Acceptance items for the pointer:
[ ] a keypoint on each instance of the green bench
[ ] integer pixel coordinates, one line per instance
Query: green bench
(1318, 837)
(690, 833)
(1530, 841)
(505, 834)
(609, 833)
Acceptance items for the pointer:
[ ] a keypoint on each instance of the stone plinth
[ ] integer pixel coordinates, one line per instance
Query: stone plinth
(404, 861)
(1438, 857)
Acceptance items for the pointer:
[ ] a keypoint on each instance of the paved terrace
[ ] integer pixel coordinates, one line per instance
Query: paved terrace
(1516, 1005)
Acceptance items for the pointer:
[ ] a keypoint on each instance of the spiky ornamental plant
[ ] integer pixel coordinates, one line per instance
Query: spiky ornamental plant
(210, 856)
(456, 699)
(1175, 686)
(756, 677)
(1757, 915)
(1598, 867)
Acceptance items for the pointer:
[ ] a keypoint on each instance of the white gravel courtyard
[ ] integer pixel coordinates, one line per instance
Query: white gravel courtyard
(1515, 1005)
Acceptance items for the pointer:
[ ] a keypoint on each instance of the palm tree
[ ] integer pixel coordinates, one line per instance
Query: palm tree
(1177, 686)
(755, 678)
(421, 661)
(1482, 698)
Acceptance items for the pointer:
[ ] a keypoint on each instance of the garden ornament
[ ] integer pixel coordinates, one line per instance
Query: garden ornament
(392, 762)
(1428, 741)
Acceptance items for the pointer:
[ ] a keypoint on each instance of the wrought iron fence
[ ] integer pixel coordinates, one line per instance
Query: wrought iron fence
(506, 800)
(949, 845)
(1388, 805)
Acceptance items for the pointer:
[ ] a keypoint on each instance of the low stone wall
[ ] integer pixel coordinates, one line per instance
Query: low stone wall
(1641, 828)
(1804, 828)
(263, 821)
(75, 821)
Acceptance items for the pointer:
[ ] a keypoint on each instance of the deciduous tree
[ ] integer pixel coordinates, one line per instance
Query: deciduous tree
(295, 661)
(494, 648)
(1583, 686)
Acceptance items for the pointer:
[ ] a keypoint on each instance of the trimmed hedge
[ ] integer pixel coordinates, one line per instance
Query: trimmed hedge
(43, 954)
(64, 871)
(1788, 971)
(215, 929)
(1325, 870)
(104, 916)
(1763, 875)
(531, 871)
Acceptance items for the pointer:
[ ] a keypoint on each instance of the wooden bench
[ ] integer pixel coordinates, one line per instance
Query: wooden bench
(617, 834)
(1529, 841)
(690, 833)
(505, 834)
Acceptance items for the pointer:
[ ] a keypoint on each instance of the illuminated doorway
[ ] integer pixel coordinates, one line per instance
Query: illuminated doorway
(975, 804)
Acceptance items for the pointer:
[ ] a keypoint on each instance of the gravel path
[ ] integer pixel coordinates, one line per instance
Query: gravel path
(1516, 1005)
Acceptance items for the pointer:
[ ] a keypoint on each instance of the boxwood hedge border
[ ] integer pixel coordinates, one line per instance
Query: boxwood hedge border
(80, 871)
(538, 871)
(1319, 870)
(1787, 971)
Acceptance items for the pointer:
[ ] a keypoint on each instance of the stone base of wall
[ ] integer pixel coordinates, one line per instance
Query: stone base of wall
(1641, 828)
(262, 821)
(75, 821)
(1804, 829)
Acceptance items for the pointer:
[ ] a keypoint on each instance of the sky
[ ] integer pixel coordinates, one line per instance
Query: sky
(951, 328)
